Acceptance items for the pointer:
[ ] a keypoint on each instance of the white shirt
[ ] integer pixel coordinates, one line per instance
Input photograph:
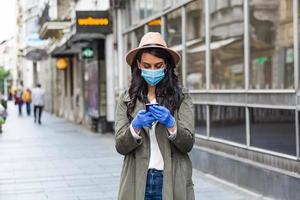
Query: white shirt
(156, 159)
(38, 96)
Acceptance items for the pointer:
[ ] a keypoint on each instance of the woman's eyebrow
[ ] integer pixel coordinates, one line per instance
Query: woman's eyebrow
(159, 63)
(145, 63)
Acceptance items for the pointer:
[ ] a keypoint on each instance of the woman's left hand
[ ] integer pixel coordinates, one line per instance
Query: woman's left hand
(163, 115)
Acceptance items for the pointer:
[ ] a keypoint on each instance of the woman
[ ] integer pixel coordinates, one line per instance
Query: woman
(155, 143)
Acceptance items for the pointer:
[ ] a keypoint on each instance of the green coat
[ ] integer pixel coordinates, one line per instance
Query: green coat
(177, 182)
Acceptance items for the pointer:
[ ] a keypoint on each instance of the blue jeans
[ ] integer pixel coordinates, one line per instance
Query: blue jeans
(154, 185)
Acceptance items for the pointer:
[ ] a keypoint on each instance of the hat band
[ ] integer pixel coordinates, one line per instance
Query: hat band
(153, 44)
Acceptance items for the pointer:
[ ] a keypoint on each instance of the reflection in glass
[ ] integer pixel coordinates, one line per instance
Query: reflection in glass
(273, 129)
(174, 36)
(195, 45)
(227, 39)
(166, 3)
(138, 33)
(142, 8)
(157, 6)
(128, 13)
(271, 32)
(136, 11)
(173, 28)
(154, 25)
(200, 119)
(128, 46)
(228, 122)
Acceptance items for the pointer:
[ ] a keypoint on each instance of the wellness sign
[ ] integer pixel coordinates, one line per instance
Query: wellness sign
(93, 22)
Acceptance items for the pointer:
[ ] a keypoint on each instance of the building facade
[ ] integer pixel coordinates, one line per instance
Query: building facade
(79, 91)
(240, 61)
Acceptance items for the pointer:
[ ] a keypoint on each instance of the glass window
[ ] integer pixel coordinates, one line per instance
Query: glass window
(173, 28)
(142, 8)
(154, 25)
(128, 47)
(273, 129)
(166, 3)
(149, 8)
(135, 13)
(299, 130)
(195, 45)
(299, 36)
(174, 36)
(227, 39)
(128, 12)
(271, 32)
(157, 6)
(228, 122)
(153, 7)
(200, 119)
(138, 34)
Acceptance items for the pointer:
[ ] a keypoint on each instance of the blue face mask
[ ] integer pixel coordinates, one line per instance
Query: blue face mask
(153, 76)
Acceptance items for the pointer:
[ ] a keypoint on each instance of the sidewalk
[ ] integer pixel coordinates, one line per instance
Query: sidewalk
(62, 161)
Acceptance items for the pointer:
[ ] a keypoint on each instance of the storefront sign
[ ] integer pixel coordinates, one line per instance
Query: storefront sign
(93, 22)
(62, 63)
(87, 53)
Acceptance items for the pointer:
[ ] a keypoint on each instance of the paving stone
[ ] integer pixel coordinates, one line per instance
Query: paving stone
(63, 161)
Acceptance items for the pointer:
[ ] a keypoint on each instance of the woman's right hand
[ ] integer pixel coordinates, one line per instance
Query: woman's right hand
(143, 118)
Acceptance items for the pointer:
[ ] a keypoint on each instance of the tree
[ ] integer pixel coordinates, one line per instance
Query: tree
(3, 75)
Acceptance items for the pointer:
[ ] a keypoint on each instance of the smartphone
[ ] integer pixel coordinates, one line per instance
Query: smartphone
(150, 104)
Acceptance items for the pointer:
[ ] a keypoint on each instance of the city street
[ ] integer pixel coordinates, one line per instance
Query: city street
(59, 160)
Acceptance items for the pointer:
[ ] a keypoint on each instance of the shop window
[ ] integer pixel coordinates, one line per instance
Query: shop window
(299, 36)
(173, 28)
(200, 119)
(195, 45)
(154, 25)
(227, 44)
(129, 12)
(138, 34)
(271, 32)
(228, 123)
(128, 47)
(174, 36)
(273, 129)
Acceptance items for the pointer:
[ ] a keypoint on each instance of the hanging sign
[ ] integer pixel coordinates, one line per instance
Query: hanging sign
(87, 53)
(62, 63)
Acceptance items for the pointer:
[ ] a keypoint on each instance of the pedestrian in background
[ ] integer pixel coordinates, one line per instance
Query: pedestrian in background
(27, 100)
(3, 115)
(18, 99)
(38, 101)
(155, 141)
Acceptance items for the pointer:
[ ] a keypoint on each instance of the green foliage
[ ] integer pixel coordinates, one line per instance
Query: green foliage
(3, 74)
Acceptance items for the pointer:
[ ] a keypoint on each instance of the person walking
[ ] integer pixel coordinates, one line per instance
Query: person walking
(155, 139)
(38, 101)
(18, 99)
(27, 100)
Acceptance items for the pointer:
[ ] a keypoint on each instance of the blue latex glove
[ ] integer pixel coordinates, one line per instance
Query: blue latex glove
(143, 118)
(163, 115)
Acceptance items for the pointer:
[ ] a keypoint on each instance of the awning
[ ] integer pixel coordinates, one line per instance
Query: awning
(72, 44)
(189, 43)
(213, 45)
(36, 54)
(53, 29)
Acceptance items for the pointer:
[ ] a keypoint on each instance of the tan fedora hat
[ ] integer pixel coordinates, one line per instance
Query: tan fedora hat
(152, 40)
